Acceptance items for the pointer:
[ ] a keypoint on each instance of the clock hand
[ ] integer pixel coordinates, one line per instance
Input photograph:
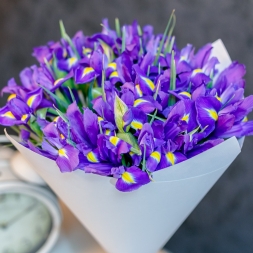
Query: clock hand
(18, 216)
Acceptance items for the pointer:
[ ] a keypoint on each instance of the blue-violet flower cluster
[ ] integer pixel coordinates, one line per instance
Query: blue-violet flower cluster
(125, 103)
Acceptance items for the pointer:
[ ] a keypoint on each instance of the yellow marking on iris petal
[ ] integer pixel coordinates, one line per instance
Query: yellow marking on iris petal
(24, 117)
(9, 115)
(185, 93)
(56, 119)
(138, 90)
(185, 117)
(62, 136)
(72, 61)
(92, 157)
(87, 71)
(56, 82)
(245, 119)
(112, 65)
(156, 155)
(136, 125)
(114, 140)
(62, 153)
(100, 119)
(196, 71)
(138, 102)
(11, 97)
(87, 50)
(31, 100)
(148, 82)
(213, 114)
(171, 157)
(183, 58)
(218, 98)
(107, 132)
(128, 178)
(114, 74)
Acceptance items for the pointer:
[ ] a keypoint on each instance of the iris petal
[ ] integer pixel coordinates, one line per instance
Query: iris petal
(132, 179)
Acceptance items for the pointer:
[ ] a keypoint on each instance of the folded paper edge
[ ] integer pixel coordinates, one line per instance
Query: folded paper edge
(235, 145)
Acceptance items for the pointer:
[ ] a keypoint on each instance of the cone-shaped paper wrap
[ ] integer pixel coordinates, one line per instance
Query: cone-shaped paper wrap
(143, 220)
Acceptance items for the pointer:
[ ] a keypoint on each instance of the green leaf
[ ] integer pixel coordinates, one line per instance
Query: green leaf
(161, 119)
(57, 72)
(96, 92)
(35, 127)
(120, 109)
(153, 117)
(157, 90)
(68, 39)
(62, 115)
(52, 111)
(49, 67)
(89, 98)
(41, 113)
(72, 95)
(58, 100)
(15, 129)
(129, 138)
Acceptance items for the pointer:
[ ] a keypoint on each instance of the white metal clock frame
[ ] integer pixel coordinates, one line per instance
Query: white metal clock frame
(9, 183)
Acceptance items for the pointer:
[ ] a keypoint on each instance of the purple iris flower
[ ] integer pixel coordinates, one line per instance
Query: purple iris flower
(207, 112)
(130, 179)
(67, 157)
(16, 112)
(170, 156)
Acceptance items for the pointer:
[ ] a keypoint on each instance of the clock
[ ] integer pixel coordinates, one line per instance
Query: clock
(30, 215)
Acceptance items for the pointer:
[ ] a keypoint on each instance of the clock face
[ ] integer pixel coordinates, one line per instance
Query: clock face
(25, 223)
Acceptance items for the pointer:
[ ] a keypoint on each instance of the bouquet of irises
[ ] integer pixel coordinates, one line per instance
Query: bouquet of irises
(125, 103)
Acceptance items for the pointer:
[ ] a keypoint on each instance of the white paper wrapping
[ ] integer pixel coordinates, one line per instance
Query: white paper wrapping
(141, 221)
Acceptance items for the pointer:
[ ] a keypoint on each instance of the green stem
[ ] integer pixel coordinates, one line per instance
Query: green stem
(15, 129)
(172, 99)
(171, 45)
(161, 119)
(103, 86)
(148, 72)
(163, 38)
(68, 39)
(144, 159)
(153, 117)
(72, 95)
(170, 33)
(117, 26)
(123, 48)
(100, 127)
(140, 39)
